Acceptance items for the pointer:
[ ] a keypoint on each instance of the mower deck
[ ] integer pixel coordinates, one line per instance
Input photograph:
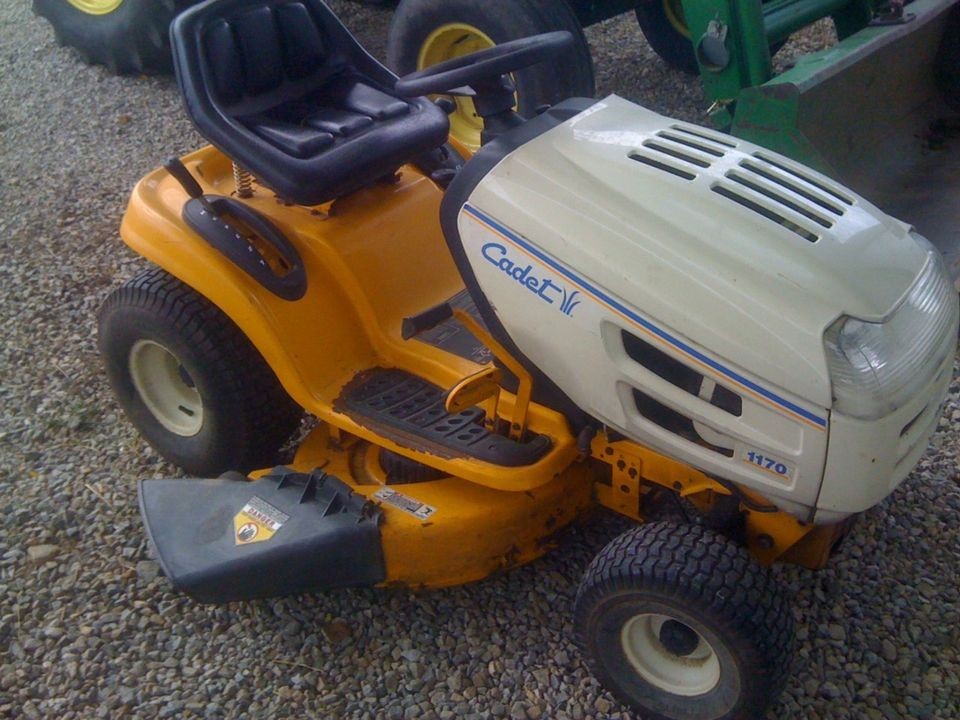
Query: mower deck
(332, 519)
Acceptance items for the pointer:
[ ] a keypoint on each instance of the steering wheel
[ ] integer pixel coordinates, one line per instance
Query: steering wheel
(487, 64)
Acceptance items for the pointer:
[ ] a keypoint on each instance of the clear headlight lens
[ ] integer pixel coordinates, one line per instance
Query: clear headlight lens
(876, 367)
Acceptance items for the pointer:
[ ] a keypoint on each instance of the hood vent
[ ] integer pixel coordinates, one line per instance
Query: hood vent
(691, 141)
(659, 165)
(680, 151)
(702, 134)
(788, 177)
(767, 190)
(679, 374)
(674, 422)
(790, 197)
(677, 151)
(742, 198)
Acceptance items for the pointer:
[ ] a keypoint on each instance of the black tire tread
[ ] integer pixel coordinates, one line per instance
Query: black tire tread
(694, 564)
(138, 47)
(672, 47)
(947, 63)
(271, 415)
(571, 75)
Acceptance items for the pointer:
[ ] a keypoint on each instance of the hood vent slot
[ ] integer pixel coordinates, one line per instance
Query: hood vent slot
(686, 175)
(766, 212)
(807, 179)
(689, 141)
(688, 146)
(674, 422)
(794, 187)
(679, 153)
(701, 134)
(766, 190)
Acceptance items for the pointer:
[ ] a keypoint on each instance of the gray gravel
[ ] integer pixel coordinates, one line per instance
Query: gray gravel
(87, 627)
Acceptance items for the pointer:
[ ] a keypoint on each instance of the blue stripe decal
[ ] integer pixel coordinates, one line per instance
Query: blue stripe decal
(666, 337)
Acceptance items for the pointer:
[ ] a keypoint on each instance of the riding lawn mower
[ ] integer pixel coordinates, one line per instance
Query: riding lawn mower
(600, 307)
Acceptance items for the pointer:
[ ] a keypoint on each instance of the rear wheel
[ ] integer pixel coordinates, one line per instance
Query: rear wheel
(682, 624)
(665, 28)
(128, 36)
(189, 380)
(426, 32)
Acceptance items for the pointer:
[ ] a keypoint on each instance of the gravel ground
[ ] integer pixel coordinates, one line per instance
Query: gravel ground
(88, 629)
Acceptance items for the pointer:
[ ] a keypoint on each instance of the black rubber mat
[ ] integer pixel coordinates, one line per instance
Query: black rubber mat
(402, 401)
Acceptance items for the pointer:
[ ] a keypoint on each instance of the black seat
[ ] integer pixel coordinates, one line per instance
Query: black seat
(286, 91)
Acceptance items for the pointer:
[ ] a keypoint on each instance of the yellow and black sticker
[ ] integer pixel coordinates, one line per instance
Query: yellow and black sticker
(258, 521)
(407, 504)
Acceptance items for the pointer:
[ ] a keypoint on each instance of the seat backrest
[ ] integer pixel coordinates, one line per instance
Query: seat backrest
(257, 53)
(260, 49)
(284, 89)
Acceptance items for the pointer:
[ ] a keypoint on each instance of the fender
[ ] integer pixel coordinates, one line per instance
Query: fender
(387, 231)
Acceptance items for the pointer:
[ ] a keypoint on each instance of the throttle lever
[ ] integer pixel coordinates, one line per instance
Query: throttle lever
(188, 182)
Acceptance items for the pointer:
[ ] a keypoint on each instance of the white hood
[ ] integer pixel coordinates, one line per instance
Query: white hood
(641, 205)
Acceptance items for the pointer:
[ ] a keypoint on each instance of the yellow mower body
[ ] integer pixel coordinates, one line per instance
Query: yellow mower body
(374, 258)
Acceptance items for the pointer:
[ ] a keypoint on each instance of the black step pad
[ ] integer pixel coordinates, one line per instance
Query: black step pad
(399, 400)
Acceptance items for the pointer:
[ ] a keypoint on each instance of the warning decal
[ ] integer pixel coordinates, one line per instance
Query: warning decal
(402, 502)
(258, 521)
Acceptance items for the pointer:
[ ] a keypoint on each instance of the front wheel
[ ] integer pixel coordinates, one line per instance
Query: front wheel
(189, 380)
(682, 624)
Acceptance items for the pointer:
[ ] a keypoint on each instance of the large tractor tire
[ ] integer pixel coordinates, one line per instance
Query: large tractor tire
(665, 28)
(127, 36)
(947, 67)
(426, 32)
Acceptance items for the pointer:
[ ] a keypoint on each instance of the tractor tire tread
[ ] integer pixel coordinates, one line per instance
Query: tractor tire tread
(271, 414)
(137, 44)
(690, 561)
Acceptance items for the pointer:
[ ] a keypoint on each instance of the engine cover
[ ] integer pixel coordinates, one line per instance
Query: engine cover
(676, 283)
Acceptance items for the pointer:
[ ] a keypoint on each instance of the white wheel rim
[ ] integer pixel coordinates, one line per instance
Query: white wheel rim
(166, 388)
(693, 673)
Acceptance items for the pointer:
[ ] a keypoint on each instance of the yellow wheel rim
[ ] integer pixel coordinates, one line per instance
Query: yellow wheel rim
(96, 7)
(445, 43)
(673, 9)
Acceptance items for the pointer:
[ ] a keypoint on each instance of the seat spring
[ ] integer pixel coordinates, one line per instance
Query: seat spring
(244, 181)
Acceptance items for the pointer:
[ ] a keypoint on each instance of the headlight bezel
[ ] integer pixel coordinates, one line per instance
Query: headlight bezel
(876, 367)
